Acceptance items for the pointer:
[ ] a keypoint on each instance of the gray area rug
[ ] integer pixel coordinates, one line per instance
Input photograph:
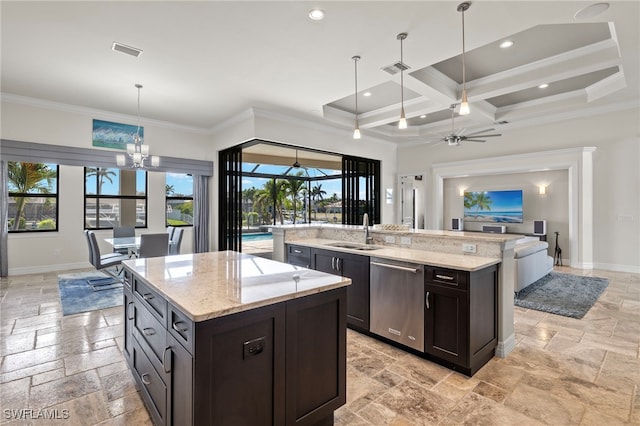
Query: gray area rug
(562, 294)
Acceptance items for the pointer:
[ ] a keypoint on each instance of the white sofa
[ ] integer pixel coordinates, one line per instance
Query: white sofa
(531, 261)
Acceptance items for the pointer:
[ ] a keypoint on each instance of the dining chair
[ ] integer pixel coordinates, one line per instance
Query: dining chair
(170, 231)
(154, 245)
(103, 262)
(120, 232)
(175, 241)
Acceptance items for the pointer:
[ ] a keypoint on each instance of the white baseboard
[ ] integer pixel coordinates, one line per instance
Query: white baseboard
(48, 268)
(617, 268)
(505, 347)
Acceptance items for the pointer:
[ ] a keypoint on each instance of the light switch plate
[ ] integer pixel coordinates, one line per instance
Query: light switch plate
(389, 239)
(405, 240)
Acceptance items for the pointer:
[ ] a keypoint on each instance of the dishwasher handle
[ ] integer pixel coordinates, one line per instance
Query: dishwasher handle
(401, 268)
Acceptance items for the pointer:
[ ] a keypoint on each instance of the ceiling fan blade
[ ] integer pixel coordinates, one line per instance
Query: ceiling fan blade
(479, 131)
(484, 136)
(474, 140)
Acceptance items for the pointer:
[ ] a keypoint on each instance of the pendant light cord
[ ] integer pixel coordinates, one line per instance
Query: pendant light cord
(464, 74)
(138, 86)
(355, 62)
(401, 74)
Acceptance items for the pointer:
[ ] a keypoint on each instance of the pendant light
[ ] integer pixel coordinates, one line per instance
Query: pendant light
(402, 124)
(464, 105)
(296, 165)
(136, 150)
(356, 130)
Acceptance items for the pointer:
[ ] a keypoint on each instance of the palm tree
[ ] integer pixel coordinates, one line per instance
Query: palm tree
(479, 200)
(317, 194)
(28, 178)
(169, 189)
(273, 193)
(101, 175)
(294, 187)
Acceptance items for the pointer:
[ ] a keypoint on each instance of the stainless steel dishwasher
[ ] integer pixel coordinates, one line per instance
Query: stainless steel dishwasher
(397, 301)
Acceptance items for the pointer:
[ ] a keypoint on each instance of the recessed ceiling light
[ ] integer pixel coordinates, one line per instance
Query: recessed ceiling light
(591, 11)
(316, 14)
(506, 44)
(423, 115)
(366, 94)
(543, 86)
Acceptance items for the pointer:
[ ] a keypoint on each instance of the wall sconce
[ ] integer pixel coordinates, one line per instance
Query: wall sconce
(542, 190)
(461, 192)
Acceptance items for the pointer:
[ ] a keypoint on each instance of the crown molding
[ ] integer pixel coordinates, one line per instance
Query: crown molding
(92, 112)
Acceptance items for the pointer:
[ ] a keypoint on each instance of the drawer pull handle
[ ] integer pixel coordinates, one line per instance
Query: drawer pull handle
(178, 328)
(167, 350)
(297, 251)
(145, 380)
(147, 296)
(426, 300)
(130, 316)
(445, 277)
(148, 331)
(333, 263)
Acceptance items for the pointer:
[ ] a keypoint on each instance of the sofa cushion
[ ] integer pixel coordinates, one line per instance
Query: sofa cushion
(523, 250)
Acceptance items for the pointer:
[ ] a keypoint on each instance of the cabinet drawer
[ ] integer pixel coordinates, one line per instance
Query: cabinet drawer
(181, 328)
(298, 255)
(151, 299)
(146, 327)
(447, 277)
(153, 387)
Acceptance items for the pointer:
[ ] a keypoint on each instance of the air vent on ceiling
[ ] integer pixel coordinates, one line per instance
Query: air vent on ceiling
(395, 68)
(500, 122)
(123, 48)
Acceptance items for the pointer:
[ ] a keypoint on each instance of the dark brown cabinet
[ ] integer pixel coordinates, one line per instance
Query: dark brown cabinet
(280, 364)
(351, 266)
(461, 316)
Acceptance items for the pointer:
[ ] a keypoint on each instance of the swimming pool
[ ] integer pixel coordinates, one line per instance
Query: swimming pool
(257, 237)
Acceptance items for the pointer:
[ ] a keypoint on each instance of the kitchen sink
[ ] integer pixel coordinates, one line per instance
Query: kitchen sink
(355, 246)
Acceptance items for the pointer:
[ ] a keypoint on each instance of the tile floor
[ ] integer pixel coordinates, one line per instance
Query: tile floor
(562, 372)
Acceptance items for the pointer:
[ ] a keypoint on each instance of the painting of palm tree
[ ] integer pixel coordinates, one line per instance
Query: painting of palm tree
(494, 206)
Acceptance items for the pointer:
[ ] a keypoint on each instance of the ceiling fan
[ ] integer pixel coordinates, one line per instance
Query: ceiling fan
(454, 139)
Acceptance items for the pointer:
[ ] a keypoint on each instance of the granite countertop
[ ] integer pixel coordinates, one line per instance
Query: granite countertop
(445, 260)
(215, 284)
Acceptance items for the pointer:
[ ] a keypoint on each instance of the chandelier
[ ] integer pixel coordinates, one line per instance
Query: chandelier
(136, 150)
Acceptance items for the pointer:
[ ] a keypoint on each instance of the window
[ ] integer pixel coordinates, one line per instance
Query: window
(114, 197)
(33, 197)
(179, 199)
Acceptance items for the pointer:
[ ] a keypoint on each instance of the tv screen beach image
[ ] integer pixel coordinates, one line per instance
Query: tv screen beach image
(493, 206)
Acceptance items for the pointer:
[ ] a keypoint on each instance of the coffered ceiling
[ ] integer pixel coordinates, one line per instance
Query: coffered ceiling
(204, 62)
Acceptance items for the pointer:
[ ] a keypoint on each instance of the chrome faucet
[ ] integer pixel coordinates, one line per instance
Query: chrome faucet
(365, 225)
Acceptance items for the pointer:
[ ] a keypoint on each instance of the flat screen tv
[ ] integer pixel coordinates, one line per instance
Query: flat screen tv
(493, 206)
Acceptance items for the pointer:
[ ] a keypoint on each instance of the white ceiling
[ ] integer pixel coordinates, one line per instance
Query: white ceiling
(204, 62)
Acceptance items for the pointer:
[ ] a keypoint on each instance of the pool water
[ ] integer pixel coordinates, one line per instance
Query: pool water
(257, 237)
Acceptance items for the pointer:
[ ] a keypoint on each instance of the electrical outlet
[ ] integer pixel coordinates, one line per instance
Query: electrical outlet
(405, 240)
(56, 252)
(389, 239)
(468, 248)
(302, 233)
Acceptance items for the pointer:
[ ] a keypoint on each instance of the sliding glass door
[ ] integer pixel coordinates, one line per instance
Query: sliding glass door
(360, 190)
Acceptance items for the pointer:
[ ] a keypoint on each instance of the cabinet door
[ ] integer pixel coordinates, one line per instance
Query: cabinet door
(446, 324)
(324, 261)
(357, 268)
(316, 336)
(181, 389)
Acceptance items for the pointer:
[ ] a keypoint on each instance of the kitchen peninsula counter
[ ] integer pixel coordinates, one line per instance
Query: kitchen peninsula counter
(424, 257)
(231, 338)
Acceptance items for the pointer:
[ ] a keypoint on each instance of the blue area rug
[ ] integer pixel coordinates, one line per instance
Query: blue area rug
(77, 294)
(562, 294)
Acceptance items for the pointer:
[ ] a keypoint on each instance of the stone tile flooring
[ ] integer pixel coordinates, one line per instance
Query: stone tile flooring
(563, 371)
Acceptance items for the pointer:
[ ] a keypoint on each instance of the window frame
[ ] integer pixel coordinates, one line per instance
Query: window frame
(171, 197)
(99, 197)
(36, 195)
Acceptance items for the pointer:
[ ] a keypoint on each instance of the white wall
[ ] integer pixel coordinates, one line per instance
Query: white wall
(67, 248)
(616, 175)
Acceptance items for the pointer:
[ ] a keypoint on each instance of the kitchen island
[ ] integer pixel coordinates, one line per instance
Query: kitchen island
(229, 338)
